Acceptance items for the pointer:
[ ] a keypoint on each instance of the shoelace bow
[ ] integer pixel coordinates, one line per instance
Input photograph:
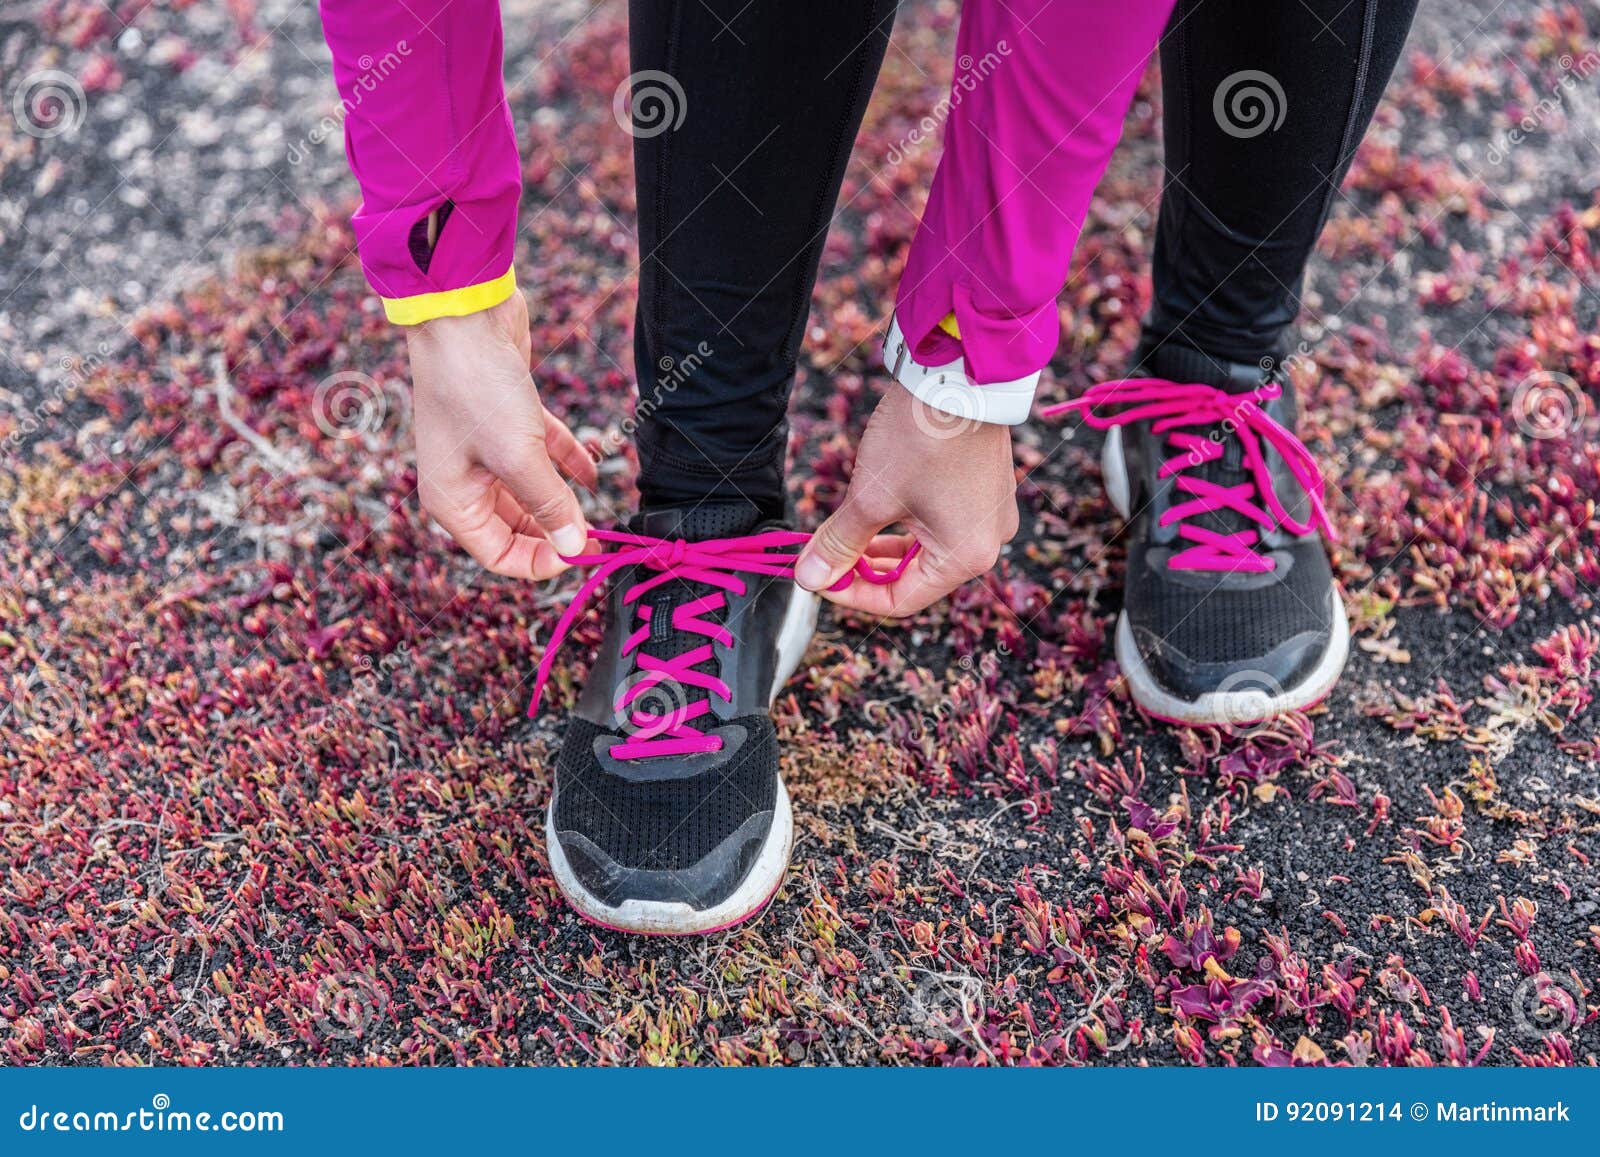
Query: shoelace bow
(715, 563)
(1170, 407)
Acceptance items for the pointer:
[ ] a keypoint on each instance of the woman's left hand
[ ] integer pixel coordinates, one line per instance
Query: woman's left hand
(950, 481)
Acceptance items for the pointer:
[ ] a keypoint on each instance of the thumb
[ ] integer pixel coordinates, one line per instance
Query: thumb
(836, 546)
(544, 495)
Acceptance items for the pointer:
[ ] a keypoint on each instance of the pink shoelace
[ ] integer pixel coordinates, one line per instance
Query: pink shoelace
(715, 563)
(1171, 407)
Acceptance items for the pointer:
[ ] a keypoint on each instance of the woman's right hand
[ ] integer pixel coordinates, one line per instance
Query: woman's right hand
(490, 459)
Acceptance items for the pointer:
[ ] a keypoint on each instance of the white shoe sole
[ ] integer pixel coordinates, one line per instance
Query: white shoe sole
(1242, 708)
(1232, 708)
(667, 918)
(670, 918)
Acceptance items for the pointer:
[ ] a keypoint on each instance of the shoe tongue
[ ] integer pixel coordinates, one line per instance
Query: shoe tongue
(1177, 363)
(693, 523)
(696, 523)
(1182, 364)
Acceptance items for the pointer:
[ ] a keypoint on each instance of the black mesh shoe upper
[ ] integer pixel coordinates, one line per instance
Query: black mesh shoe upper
(1200, 631)
(682, 828)
(642, 838)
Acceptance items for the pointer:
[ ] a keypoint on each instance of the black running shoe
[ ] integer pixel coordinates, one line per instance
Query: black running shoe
(1230, 614)
(668, 814)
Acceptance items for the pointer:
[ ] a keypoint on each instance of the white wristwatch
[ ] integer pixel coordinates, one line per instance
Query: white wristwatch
(948, 388)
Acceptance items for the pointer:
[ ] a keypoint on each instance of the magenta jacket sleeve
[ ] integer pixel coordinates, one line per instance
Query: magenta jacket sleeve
(429, 138)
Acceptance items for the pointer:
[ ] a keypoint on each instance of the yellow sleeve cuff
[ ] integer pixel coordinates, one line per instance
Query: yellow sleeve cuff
(450, 302)
(950, 327)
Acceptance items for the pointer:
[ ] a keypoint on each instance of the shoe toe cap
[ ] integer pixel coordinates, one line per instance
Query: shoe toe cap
(701, 885)
(1272, 673)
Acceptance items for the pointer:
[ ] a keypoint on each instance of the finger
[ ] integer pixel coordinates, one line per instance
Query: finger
(916, 589)
(547, 561)
(494, 542)
(885, 551)
(885, 555)
(568, 453)
(532, 479)
(836, 545)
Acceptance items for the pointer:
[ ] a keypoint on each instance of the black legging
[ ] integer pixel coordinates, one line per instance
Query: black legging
(734, 209)
(734, 204)
(1240, 213)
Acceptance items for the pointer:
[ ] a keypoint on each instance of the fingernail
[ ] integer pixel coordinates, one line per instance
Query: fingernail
(569, 539)
(812, 572)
